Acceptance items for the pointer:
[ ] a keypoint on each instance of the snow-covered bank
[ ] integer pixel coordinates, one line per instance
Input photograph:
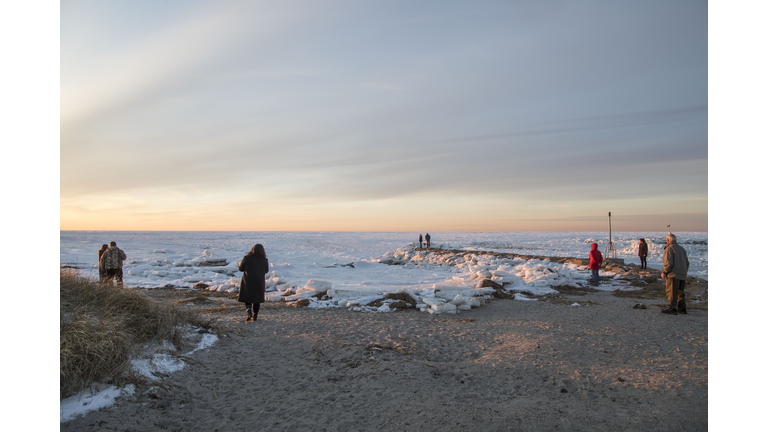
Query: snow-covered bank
(469, 285)
(151, 363)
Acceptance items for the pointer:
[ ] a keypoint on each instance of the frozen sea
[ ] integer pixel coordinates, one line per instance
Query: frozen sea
(161, 258)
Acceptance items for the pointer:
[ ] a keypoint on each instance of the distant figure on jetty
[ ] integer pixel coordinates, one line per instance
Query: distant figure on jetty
(675, 271)
(595, 262)
(642, 252)
(427, 238)
(254, 266)
(112, 261)
(102, 270)
(420, 241)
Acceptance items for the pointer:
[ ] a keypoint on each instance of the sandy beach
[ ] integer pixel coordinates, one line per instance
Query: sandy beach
(509, 365)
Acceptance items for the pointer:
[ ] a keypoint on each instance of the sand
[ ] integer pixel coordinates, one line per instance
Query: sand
(509, 365)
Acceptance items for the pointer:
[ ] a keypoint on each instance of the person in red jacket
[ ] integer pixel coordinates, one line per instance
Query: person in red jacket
(595, 262)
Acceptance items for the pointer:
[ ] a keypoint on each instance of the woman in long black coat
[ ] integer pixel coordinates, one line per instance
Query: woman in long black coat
(254, 266)
(102, 270)
(642, 252)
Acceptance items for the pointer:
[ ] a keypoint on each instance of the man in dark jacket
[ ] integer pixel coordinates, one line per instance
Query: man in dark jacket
(675, 271)
(112, 261)
(427, 238)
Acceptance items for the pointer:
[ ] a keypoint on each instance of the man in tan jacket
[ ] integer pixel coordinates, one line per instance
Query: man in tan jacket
(675, 271)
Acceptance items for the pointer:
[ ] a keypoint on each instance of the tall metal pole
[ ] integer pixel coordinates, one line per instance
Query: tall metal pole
(610, 238)
(610, 248)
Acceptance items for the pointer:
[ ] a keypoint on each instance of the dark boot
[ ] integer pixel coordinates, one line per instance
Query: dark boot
(250, 315)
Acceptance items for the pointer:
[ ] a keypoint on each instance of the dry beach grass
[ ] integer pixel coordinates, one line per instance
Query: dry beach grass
(101, 324)
(509, 365)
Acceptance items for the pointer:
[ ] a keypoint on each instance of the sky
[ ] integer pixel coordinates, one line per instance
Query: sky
(384, 115)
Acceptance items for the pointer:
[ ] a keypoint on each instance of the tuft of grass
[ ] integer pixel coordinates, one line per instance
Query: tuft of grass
(102, 325)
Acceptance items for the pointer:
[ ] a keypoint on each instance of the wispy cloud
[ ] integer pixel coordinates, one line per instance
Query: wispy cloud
(358, 104)
(180, 52)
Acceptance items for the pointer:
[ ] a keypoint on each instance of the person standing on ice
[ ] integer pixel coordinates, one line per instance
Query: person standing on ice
(254, 266)
(102, 270)
(642, 252)
(420, 241)
(112, 261)
(595, 262)
(427, 238)
(675, 271)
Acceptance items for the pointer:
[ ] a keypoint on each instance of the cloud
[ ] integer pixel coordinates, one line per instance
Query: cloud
(361, 103)
(177, 53)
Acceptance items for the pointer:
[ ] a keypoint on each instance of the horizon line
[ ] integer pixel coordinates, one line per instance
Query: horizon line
(337, 231)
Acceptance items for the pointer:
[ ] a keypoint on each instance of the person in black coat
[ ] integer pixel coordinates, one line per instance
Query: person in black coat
(642, 252)
(102, 270)
(254, 266)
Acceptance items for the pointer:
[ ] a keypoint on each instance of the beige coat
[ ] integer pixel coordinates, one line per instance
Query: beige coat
(675, 261)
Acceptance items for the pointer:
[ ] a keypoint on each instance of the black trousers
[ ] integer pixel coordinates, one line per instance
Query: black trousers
(255, 307)
(643, 262)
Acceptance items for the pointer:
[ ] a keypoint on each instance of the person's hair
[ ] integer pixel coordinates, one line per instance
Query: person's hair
(671, 237)
(258, 251)
(104, 246)
(642, 240)
(112, 243)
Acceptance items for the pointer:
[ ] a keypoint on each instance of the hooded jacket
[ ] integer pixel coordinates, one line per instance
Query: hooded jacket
(595, 258)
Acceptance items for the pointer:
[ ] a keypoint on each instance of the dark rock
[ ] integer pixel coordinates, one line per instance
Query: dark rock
(487, 283)
(500, 293)
(400, 305)
(213, 262)
(200, 285)
(404, 300)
